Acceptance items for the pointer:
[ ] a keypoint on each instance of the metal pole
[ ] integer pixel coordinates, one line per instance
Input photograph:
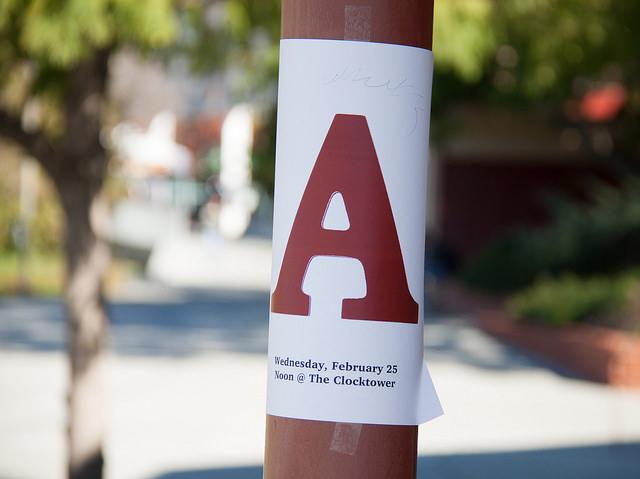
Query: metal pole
(304, 449)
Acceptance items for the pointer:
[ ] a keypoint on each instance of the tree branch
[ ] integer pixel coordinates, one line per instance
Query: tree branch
(34, 143)
(11, 127)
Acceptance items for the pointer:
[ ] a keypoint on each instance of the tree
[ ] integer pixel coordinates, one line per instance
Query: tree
(54, 67)
(54, 58)
(550, 43)
(541, 54)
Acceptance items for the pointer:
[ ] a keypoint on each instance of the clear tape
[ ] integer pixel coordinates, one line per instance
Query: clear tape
(357, 22)
(345, 438)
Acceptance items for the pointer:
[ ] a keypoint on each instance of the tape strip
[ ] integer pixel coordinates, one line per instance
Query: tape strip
(346, 438)
(357, 23)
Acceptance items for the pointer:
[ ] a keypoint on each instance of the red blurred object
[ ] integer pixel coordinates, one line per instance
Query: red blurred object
(603, 104)
(200, 134)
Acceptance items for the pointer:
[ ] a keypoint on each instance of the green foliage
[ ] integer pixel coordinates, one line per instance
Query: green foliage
(532, 49)
(510, 262)
(44, 229)
(9, 207)
(602, 237)
(242, 35)
(62, 32)
(42, 41)
(8, 216)
(569, 299)
(540, 54)
(558, 41)
(42, 273)
(463, 37)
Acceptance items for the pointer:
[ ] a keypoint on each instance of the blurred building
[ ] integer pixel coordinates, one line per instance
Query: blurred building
(182, 173)
(492, 171)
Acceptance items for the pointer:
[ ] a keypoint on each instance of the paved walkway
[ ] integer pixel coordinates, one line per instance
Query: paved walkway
(186, 395)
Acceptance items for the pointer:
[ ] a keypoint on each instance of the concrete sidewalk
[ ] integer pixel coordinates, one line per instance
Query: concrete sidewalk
(186, 396)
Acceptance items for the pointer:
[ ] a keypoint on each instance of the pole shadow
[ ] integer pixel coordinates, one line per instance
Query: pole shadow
(610, 461)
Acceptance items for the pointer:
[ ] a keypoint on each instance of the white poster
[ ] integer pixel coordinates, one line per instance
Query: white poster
(345, 330)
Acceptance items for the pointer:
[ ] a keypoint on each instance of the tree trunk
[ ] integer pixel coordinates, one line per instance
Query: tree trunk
(76, 162)
(87, 257)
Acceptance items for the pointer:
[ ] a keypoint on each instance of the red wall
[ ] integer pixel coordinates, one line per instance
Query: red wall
(481, 199)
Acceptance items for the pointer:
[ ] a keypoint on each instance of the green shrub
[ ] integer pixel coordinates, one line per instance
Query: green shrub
(509, 263)
(569, 299)
(601, 238)
(46, 225)
(8, 216)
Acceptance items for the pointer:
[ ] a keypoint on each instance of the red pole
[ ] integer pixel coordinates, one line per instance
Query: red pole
(304, 449)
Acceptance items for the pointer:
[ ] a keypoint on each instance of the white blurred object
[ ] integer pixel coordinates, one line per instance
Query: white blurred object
(140, 224)
(236, 143)
(189, 260)
(239, 198)
(233, 220)
(154, 150)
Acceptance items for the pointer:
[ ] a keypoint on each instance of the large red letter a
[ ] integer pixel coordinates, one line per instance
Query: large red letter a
(348, 164)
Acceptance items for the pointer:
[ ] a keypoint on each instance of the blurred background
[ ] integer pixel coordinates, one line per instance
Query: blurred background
(136, 188)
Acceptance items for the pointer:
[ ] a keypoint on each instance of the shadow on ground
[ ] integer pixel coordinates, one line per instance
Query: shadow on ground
(163, 321)
(187, 322)
(618, 461)
(455, 339)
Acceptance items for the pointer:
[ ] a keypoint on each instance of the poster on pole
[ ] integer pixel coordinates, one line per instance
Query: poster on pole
(346, 321)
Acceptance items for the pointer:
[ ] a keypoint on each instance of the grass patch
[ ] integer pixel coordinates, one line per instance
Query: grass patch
(39, 274)
(43, 274)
